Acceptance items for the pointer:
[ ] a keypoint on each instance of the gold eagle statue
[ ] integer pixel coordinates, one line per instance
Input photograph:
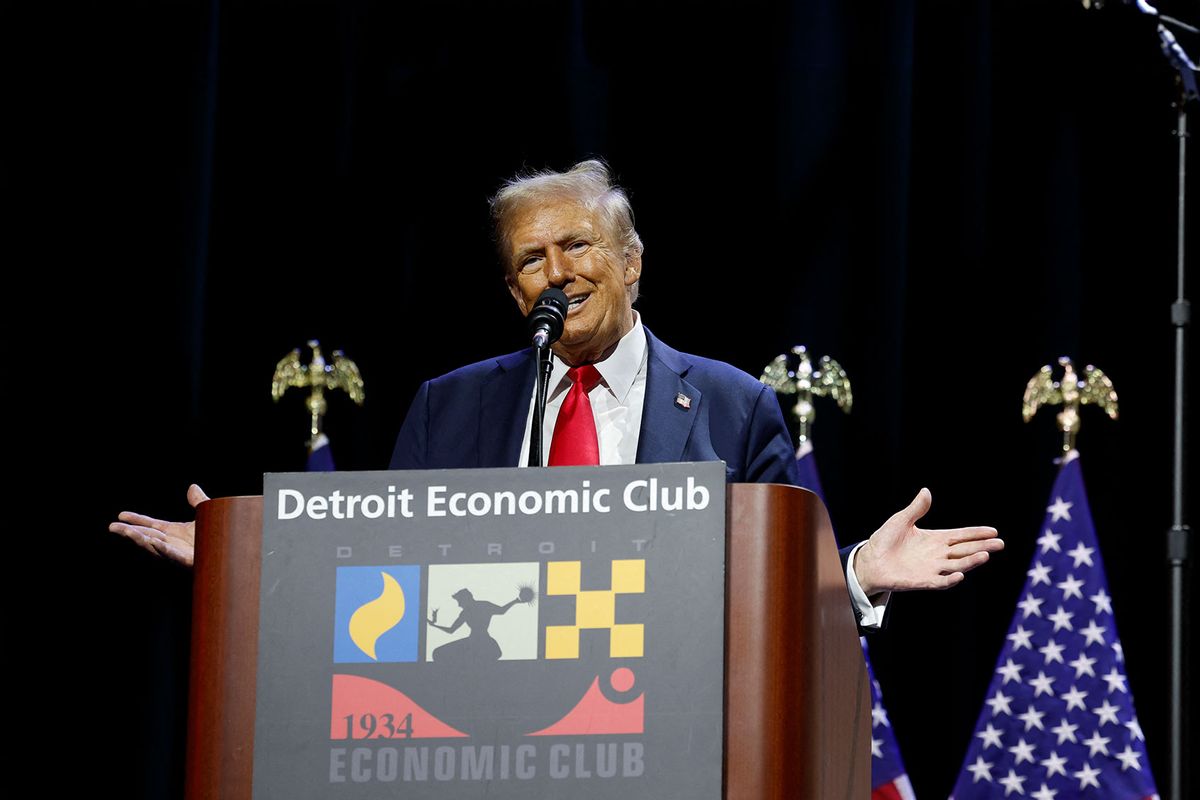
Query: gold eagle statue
(317, 376)
(828, 379)
(1071, 392)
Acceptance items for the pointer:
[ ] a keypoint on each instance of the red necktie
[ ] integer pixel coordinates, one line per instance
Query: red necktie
(574, 443)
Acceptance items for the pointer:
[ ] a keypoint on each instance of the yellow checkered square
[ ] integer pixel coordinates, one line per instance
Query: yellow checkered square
(595, 609)
(562, 577)
(562, 641)
(625, 641)
(629, 577)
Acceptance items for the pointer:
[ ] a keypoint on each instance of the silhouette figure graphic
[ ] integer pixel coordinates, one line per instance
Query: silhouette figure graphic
(476, 615)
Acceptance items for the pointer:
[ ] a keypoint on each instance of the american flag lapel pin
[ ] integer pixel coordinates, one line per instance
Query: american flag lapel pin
(683, 401)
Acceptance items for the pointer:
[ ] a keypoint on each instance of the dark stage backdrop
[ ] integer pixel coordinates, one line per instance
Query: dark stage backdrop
(943, 196)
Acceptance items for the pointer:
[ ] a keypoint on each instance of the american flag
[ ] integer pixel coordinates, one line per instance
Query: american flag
(889, 780)
(1058, 721)
(320, 456)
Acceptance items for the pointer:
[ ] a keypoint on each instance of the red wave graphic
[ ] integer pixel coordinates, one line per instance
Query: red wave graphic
(596, 714)
(355, 696)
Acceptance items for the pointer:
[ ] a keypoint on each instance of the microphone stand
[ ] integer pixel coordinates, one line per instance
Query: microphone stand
(544, 367)
(1178, 537)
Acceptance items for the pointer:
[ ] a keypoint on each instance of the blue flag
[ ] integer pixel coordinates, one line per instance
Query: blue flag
(889, 780)
(1059, 722)
(806, 464)
(320, 456)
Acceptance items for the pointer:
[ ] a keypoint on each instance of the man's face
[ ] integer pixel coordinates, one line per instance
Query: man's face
(560, 243)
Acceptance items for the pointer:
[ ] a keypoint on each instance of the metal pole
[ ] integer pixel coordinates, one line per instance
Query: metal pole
(1178, 537)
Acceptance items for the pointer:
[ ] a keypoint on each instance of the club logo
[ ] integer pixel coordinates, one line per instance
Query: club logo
(595, 609)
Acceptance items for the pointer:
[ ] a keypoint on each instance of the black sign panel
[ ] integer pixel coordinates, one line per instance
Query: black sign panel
(492, 633)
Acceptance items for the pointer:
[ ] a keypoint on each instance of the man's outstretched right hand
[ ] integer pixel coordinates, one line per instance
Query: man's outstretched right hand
(173, 540)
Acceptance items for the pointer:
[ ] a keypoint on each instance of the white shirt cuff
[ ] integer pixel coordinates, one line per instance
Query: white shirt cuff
(869, 615)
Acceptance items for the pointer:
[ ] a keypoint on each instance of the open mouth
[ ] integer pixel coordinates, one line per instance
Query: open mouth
(577, 302)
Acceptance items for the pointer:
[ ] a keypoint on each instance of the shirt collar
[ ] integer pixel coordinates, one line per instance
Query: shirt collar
(619, 370)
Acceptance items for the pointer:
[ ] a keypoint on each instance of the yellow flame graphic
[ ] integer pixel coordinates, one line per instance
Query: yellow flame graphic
(377, 617)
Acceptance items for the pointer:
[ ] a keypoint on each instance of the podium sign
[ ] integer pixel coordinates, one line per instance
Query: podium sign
(499, 633)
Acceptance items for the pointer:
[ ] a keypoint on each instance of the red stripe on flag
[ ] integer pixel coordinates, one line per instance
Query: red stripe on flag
(887, 791)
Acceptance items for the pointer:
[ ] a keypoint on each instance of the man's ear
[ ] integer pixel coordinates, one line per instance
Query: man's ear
(633, 269)
(511, 282)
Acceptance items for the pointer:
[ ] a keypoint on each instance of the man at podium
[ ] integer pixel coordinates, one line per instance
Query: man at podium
(617, 394)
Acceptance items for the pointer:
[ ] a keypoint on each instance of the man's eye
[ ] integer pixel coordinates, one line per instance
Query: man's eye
(531, 263)
(578, 247)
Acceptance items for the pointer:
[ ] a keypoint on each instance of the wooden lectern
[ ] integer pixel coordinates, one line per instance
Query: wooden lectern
(797, 702)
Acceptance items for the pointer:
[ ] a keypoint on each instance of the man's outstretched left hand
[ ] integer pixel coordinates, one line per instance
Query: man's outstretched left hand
(901, 557)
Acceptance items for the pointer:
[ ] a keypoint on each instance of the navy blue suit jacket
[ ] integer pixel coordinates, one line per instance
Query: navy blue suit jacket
(475, 417)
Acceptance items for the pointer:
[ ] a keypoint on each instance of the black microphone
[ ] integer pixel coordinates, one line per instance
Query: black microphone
(545, 320)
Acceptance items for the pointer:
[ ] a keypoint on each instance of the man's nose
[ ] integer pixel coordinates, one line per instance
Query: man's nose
(559, 268)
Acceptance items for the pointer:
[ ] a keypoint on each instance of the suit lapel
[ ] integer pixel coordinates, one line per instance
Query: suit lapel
(504, 407)
(666, 423)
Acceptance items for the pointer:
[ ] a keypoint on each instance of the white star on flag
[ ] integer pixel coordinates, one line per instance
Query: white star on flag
(1065, 731)
(1052, 651)
(1012, 783)
(1135, 730)
(999, 702)
(1060, 510)
(1087, 776)
(1044, 793)
(1093, 633)
(1097, 744)
(1042, 684)
(981, 769)
(1039, 573)
(1106, 713)
(1070, 588)
(1049, 541)
(990, 736)
(1031, 605)
(1081, 554)
(1074, 699)
(1021, 638)
(1054, 765)
(1129, 758)
(1022, 751)
(1032, 718)
(1115, 681)
(1083, 666)
(1011, 671)
(1061, 619)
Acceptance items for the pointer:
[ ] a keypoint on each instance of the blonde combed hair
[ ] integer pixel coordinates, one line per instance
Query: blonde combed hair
(588, 183)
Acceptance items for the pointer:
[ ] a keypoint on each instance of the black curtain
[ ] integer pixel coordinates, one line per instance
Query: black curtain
(942, 196)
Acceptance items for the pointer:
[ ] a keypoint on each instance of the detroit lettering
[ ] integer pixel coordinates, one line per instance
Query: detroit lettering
(639, 496)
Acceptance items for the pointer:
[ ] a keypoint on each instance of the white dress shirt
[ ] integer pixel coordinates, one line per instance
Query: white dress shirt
(617, 402)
